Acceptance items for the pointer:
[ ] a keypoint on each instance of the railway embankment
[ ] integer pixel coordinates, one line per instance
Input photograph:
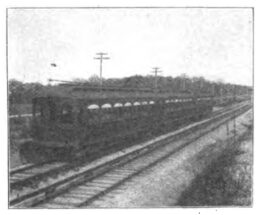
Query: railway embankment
(182, 179)
(227, 181)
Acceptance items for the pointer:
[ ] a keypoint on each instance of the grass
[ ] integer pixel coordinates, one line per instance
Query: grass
(226, 182)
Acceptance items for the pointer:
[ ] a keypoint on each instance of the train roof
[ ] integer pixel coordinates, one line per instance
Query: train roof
(96, 93)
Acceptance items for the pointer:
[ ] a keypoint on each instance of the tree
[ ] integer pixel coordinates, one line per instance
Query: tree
(22, 93)
(94, 79)
(16, 90)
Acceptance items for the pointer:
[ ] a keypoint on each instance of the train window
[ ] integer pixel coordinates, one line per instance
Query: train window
(66, 114)
(46, 110)
(52, 109)
(93, 106)
(106, 106)
(136, 103)
(151, 102)
(144, 103)
(128, 104)
(118, 105)
(38, 109)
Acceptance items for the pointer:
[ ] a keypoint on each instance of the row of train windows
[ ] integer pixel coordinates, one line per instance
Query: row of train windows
(68, 108)
(66, 112)
(95, 106)
(66, 115)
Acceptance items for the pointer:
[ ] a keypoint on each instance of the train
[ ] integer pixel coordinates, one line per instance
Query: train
(77, 121)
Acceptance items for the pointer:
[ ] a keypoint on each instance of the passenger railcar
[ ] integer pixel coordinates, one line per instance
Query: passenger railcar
(72, 121)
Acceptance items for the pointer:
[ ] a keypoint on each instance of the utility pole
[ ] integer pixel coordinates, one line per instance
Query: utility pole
(101, 57)
(156, 71)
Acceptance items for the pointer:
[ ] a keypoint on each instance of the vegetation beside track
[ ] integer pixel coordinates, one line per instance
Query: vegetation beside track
(227, 181)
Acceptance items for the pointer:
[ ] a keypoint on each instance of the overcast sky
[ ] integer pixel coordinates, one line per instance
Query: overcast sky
(214, 43)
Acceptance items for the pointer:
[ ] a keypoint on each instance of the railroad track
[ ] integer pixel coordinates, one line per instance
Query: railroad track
(28, 175)
(99, 177)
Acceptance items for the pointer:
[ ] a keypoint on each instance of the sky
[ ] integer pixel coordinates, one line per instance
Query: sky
(214, 43)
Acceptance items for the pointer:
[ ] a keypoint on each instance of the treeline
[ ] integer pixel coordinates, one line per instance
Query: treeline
(180, 84)
(22, 93)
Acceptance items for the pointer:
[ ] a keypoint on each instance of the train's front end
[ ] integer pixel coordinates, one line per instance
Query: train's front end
(54, 131)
